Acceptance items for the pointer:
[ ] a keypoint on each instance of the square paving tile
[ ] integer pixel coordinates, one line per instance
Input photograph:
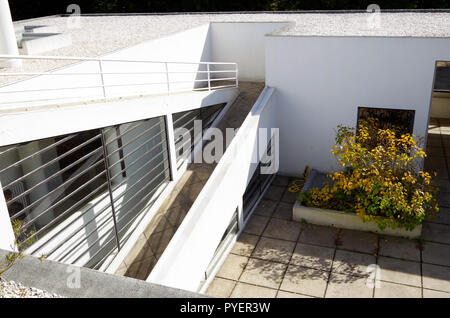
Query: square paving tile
(319, 235)
(400, 271)
(233, 267)
(345, 286)
(436, 253)
(289, 197)
(442, 217)
(284, 294)
(399, 248)
(444, 184)
(427, 293)
(263, 273)
(436, 232)
(175, 215)
(201, 170)
(175, 198)
(311, 256)
(352, 263)
(192, 191)
(220, 287)
(159, 241)
(443, 197)
(358, 241)
(243, 290)
(122, 269)
(436, 167)
(245, 244)
(436, 277)
(256, 224)
(141, 251)
(274, 250)
(265, 208)
(305, 281)
(434, 141)
(141, 270)
(158, 224)
(281, 181)
(274, 193)
(283, 211)
(188, 178)
(434, 152)
(391, 290)
(282, 229)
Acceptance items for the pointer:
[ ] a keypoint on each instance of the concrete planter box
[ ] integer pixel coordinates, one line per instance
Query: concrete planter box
(340, 219)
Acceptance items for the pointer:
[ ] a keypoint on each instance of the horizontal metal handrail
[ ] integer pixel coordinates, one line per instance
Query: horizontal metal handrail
(52, 161)
(121, 228)
(106, 221)
(44, 181)
(112, 73)
(77, 58)
(103, 89)
(116, 85)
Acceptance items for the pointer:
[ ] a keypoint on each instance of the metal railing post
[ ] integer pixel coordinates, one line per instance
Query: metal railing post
(102, 78)
(237, 81)
(167, 78)
(209, 77)
(108, 178)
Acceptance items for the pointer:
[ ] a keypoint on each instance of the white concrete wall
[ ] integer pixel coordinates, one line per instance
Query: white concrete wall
(46, 123)
(188, 46)
(243, 43)
(188, 254)
(6, 231)
(14, 133)
(321, 81)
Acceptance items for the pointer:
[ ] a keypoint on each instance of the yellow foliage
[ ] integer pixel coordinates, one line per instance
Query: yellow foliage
(380, 179)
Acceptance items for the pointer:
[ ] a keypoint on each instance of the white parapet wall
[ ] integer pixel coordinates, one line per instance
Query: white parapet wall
(321, 81)
(49, 122)
(239, 42)
(62, 238)
(188, 46)
(184, 262)
(243, 43)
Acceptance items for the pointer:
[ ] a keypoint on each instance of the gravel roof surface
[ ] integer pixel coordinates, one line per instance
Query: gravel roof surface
(99, 35)
(10, 289)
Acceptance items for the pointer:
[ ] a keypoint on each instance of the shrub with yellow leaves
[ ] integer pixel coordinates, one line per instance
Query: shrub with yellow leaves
(380, 181)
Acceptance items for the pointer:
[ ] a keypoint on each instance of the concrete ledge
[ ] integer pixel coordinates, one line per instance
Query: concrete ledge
(40, 29)
(58, 278)
(341, 219)
(35, 43)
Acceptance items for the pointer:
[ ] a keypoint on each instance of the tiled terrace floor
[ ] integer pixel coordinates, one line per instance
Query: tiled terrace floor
(276, 257)
(152, 243)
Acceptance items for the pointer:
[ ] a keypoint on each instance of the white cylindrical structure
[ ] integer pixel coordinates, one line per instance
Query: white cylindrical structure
(8, 42)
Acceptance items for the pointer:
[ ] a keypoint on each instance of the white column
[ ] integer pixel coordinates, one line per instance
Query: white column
(6, 230)
(36, 177)
(8, 42)
(171, 145)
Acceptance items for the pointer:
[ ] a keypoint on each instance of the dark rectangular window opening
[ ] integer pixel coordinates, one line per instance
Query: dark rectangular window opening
(186, 120)
(257, 184)
(79, 195)
(403, 119)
